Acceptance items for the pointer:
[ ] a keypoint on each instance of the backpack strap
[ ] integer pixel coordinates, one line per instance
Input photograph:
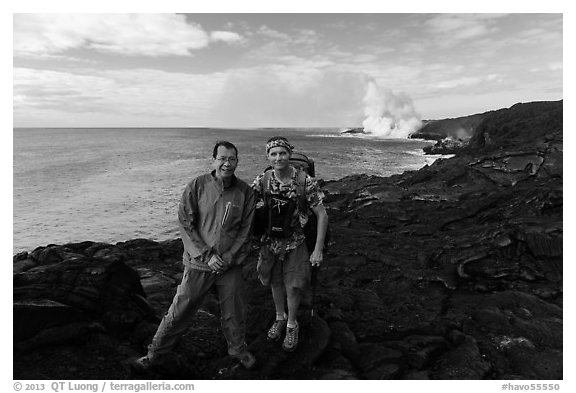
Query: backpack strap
(266, 199)
(266, 183)
(301, 190)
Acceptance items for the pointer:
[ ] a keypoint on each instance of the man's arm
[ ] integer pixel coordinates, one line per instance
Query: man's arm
(187, 218)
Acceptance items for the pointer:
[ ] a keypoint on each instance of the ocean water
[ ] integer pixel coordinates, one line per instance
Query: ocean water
(113, 185)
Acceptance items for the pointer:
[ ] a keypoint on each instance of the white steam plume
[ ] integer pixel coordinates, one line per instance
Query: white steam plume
(389, 115)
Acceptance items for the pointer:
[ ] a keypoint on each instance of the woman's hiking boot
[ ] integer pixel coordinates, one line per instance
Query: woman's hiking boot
(291, 340)
(277, 329)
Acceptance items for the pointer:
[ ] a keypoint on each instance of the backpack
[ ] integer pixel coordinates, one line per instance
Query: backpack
(277, 225)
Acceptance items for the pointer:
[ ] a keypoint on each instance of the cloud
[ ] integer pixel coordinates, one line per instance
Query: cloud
(293, 96)
(53, 90)
(125, 34)
(139, 97)
(306, 37)
(275, 44)
(226, 36)
(466, 82)
(285, 76)
(271, 33)
(279, 95)
(450, 29)
(555, 66)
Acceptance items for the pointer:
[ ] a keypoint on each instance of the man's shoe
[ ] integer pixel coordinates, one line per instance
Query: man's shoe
(246, 359)
(291, 340)
(142, 365)
(277, 329)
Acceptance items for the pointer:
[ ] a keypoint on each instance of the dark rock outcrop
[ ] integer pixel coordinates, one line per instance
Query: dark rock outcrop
(519, 125)
(357, 130)
(530, 125)
(453, 271)
(446, 146)
(459, 128)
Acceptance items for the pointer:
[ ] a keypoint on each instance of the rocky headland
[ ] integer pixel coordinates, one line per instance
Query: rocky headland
(453, 271)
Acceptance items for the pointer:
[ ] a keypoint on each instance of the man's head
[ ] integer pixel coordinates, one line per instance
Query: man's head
(224, 159)
(278, 152)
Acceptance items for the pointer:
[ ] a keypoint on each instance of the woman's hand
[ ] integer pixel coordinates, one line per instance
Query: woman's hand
(316, 258)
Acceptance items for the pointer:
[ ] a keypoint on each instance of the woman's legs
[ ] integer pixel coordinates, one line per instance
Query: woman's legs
(279, 296)
(277, 329)
(291, 339)
(288, 278)
(293, 297)
(283, 296)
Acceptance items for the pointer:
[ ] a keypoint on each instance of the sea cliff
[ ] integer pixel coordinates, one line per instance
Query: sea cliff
(453, 271)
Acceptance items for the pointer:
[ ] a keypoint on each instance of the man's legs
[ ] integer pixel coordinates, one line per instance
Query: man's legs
(230, 286)
(189, 295)
(230, 296)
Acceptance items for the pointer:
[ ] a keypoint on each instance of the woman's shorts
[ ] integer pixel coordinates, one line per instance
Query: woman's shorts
(293, 271)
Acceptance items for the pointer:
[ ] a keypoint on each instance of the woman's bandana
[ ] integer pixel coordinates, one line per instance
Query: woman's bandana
(279, 143)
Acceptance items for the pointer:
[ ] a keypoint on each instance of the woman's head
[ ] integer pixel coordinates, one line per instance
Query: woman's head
(278, 152)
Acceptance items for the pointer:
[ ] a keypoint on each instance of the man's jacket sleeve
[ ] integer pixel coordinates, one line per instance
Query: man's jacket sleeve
(188, 220)
(241, 247)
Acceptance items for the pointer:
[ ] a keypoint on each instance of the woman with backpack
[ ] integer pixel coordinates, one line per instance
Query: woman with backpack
(289, 196)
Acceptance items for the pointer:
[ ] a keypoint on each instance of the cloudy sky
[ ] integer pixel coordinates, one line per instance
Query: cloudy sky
(265, 70)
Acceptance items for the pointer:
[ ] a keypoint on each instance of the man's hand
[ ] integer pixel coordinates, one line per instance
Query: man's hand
(217, 264)
(204, 257)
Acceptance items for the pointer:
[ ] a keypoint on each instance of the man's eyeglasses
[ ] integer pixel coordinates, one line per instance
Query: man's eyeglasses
(231, 160)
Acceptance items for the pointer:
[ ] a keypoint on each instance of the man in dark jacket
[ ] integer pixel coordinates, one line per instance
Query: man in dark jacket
(215, 216)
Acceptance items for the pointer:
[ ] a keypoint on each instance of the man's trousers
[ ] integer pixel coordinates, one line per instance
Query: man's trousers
(190, 294)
